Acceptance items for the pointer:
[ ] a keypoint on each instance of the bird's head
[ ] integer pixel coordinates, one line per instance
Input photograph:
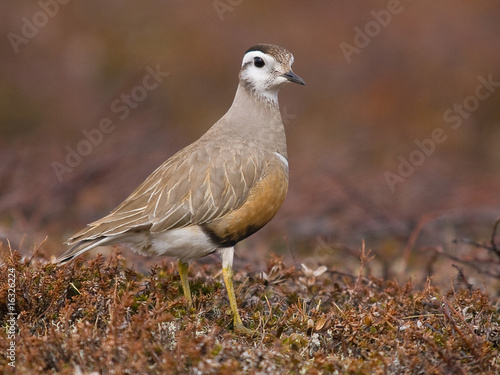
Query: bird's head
(265, 69)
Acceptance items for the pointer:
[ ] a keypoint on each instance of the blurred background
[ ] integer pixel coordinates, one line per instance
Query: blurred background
(382, 78)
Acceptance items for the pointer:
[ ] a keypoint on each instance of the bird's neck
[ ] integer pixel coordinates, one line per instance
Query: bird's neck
(253, 106)
(254, 118)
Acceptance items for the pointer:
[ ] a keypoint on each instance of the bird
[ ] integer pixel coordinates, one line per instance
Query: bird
(216, 191)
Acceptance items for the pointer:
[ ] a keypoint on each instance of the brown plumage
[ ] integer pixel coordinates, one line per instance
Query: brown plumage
(217, 191)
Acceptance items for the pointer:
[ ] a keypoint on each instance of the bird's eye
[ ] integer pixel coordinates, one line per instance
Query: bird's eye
(258, 62)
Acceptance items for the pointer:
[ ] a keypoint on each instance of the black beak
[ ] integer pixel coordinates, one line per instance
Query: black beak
(292, 77)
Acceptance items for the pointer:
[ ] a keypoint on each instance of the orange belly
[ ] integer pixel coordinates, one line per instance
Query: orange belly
(262, 204)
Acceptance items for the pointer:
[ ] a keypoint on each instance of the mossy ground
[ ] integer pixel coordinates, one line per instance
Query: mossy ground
(99, 316)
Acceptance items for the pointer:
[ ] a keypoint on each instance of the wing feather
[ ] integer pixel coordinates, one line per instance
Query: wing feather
(198, 184)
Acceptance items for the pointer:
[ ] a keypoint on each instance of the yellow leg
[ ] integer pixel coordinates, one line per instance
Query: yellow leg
(227, 273)
(183, 273)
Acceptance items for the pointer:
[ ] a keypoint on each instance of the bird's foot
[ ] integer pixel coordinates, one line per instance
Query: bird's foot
(240, 328)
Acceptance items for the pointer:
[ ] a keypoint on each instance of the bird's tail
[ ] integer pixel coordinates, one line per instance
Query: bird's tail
(81, 247)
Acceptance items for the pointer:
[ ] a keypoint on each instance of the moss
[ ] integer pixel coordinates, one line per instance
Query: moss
(104, 317)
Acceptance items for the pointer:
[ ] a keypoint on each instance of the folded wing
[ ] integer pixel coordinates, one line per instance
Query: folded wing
(195, 186)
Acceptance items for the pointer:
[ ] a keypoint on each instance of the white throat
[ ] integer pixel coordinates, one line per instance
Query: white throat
(259, 89)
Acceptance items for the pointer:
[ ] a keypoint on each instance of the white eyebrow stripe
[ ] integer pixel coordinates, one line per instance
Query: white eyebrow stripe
(282, 158)
(249, 56)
